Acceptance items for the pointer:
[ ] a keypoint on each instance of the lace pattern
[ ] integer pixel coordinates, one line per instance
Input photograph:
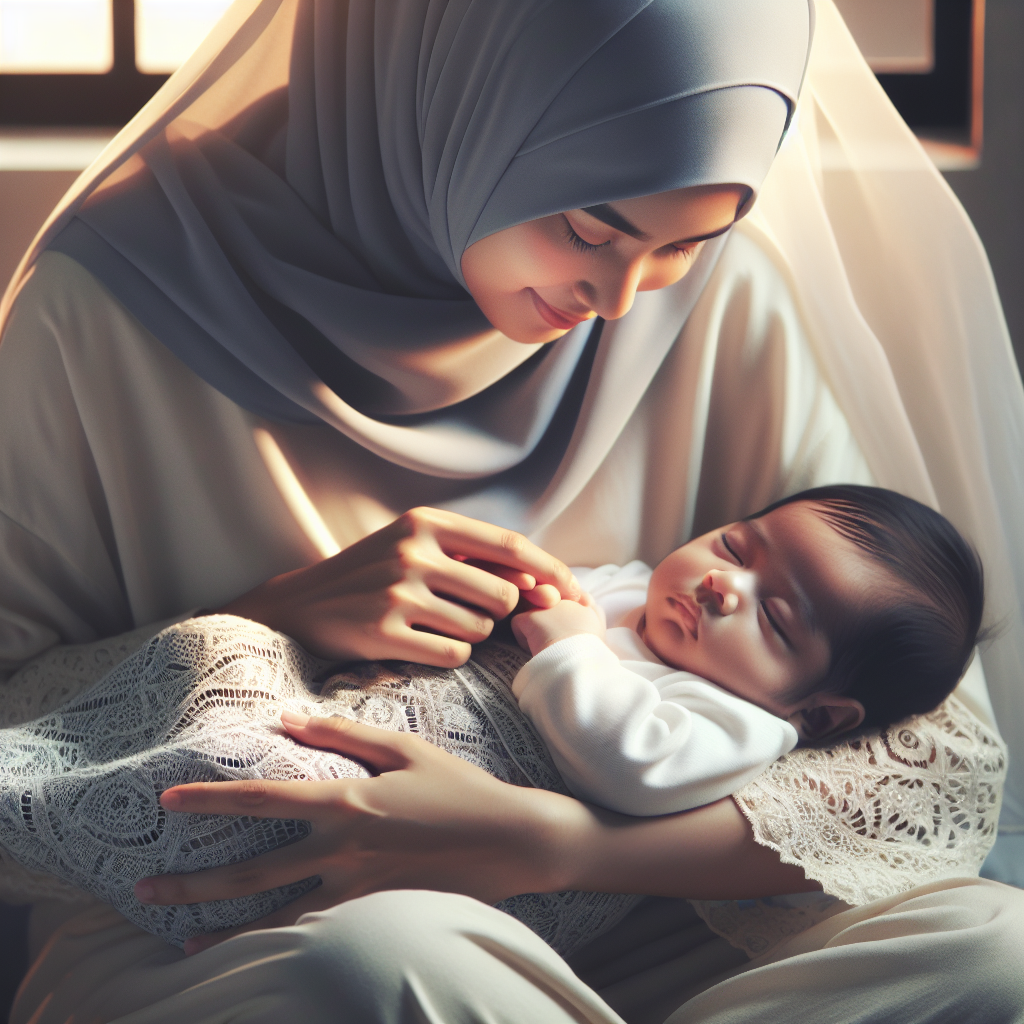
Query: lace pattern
(80, 785)
(868, 818)
(877, 815)
(757, 926)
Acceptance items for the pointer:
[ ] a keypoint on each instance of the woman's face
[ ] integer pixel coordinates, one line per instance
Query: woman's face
(536, 281)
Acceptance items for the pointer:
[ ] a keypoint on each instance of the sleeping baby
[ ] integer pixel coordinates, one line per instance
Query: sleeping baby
(838, 608)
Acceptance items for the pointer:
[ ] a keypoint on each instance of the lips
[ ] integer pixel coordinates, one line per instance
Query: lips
(688, 612)
(555, 317)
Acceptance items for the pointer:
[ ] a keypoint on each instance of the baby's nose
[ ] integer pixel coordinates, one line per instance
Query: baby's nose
(722, 590)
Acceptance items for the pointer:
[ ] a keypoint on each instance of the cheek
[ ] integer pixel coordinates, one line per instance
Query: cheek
(661, 273)
(526, 256)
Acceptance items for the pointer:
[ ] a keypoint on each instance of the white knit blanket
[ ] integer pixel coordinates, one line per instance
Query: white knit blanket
(80, 785)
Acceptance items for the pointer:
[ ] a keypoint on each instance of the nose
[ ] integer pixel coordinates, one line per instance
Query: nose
(726, 589)
(610, 295)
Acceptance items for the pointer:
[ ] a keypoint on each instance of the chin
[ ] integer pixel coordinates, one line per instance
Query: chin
(532, 336)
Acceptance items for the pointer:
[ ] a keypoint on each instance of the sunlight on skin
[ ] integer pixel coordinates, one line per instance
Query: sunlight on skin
(538, 280)
(745, 606)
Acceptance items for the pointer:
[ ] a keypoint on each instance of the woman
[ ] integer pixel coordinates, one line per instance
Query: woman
(247, 344)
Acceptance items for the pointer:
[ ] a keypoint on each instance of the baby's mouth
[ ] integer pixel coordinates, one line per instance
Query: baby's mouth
(688, 611)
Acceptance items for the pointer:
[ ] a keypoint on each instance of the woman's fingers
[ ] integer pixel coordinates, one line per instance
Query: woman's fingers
(471, 585)
(283, 866)
(381, 750)
(519, 580)
(460, 535)
(256, 798)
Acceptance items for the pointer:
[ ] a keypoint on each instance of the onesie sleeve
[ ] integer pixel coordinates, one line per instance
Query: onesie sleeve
(646, 742)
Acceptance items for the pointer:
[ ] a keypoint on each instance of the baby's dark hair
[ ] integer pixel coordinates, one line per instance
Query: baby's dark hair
(905, 657)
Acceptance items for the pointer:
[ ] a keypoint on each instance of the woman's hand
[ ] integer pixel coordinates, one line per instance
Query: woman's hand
(424, 589)
(431, 821)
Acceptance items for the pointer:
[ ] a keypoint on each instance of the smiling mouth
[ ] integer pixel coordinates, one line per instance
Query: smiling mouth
(689, 613)
(555, 317)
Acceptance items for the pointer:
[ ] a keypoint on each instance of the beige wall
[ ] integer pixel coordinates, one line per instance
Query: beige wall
(26, 197)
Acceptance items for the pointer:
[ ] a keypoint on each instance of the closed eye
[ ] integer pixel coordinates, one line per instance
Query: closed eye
(728, 547)
(579, 244)
(771, 622)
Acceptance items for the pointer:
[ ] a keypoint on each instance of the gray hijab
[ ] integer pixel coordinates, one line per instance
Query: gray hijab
(294, 234)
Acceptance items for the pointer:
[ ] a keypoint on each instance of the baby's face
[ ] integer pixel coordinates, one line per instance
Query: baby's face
(746, 606)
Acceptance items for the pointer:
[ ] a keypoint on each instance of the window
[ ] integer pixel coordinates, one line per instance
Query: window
(92, 62)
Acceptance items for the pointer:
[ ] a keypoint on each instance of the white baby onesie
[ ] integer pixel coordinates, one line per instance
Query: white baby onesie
(631, 733)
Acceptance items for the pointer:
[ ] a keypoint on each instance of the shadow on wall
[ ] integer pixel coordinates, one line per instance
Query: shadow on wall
(26, 198)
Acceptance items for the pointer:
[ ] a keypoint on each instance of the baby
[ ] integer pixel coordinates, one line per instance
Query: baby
(833, 609)
(840, 607)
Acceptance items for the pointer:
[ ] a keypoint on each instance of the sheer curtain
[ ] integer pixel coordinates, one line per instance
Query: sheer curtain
(903, 313)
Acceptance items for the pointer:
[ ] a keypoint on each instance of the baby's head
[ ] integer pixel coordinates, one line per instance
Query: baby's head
(837, 607)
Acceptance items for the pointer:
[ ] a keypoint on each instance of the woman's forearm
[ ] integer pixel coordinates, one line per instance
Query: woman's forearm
(706, 853)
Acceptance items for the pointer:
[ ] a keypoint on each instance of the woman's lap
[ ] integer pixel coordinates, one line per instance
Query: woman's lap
(949, 951)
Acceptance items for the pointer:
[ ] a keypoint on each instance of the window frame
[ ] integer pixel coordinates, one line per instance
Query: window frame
(89, 100)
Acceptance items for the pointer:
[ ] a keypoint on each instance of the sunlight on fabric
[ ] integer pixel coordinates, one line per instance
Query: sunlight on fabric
(56, 36)
(167, 31)
(294, 494)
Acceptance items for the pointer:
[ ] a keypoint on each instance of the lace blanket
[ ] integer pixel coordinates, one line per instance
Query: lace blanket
(80, 785)
(867, 818)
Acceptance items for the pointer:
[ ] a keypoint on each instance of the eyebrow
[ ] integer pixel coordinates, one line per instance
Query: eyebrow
(607, 214)
(804, 605)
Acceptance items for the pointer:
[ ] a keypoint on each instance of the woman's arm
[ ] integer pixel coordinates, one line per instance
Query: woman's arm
(429, 820)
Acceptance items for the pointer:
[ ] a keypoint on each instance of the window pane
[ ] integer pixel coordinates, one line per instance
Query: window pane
(167, 31)
(56, 36)
(894, 35)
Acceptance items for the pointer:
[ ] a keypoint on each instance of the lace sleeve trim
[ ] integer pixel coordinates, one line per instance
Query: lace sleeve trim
(882, 813)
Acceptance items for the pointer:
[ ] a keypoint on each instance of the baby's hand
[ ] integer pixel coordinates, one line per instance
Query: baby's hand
(543, 627)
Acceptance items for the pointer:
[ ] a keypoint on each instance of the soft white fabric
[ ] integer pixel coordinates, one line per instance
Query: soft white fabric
(631, 733)
(936, 955)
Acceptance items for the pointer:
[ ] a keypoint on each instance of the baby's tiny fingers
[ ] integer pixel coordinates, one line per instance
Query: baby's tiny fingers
(544, 595)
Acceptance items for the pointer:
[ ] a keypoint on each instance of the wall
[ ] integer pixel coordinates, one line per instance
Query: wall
(26, 197)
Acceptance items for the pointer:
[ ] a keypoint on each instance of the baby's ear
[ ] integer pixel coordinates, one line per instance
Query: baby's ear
(826, 716)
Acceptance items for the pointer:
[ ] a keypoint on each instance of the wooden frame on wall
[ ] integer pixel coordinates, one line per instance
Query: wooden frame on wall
(945, 107)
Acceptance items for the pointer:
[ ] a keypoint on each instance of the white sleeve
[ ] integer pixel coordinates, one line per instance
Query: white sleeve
(640, 745)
